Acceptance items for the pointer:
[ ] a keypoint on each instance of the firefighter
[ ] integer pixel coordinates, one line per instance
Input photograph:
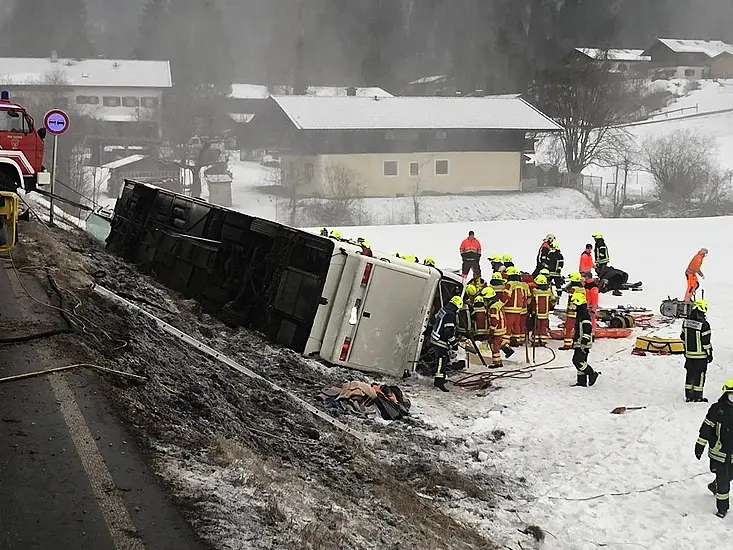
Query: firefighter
(601, 255)
(430, 262)
(692, 273)
(497, 327)
(464, 322)
(470, 250)
(592, 293)
(543, 254)
(479, 283)
(716, 433)
(582, 341)
(480, 319)
(444, 337)
(470, 293)
(507, 262)
(498, 283)
(542, 301)
(335, 234)
(555, 265)
(515, 306)
(496, 263)
(366, 248)
(324, 232)
(575, 284)
(698, 351)
(586, 263)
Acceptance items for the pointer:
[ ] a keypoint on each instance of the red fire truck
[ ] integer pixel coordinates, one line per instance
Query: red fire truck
(21, 149)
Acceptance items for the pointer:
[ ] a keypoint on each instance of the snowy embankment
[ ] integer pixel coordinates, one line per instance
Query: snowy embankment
(249, 196)
(597, 479)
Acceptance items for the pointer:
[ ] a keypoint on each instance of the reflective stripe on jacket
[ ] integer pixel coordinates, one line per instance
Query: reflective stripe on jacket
(542, 300)
(497, 319)
(480, 320)
(516, 297)
(716, 431)
(696, 337)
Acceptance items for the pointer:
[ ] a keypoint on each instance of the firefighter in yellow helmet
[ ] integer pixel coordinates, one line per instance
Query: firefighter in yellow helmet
(716, 433)
(575, 285)
(541, 303)
(698, 351)
(444, 337)
(515, 306)
(429, 262)
(582, 341)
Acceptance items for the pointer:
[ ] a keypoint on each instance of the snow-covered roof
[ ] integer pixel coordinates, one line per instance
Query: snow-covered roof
(615, 54)
(358, 113)
(711, 48)
(257, 91)
(119, 163)
(100, 73)
(430, 79)
(241, 118)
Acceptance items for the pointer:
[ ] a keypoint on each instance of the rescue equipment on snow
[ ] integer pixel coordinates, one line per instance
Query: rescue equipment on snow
(677, 309)
(662, 346)
(600, 332)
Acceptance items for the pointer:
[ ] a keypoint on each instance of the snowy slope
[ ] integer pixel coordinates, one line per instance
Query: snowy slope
(596, 479)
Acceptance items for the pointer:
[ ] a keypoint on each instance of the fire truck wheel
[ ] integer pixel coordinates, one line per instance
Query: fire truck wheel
(7, 183)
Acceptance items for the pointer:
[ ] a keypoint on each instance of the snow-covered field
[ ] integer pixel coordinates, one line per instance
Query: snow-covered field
(597, 479)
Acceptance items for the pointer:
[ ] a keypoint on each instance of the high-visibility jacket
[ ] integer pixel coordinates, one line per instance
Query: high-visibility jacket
(529, 280)
(497, 318)
(583, 336)
(480, 320)
(500, 288)
(717, 431)
(586, 262)
(542, 300)
(695, 264)
(571, 289)
(555, 263)
(517, 293)
(592, 293)
(601, 253)
(444, 327)
(470, 245)
(696, 336)
(479, 283)
(464, 319)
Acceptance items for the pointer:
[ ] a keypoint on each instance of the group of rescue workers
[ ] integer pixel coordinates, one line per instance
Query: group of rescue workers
(514, 305)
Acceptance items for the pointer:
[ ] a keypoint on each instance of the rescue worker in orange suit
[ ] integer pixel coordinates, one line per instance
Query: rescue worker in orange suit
(586, 263)
(542, 301)
(698, 351)
(471, 255)
(592, 292)
(555, 265)
(515, 306)
(543, 254)
(575, 284)
(444, 337)
(494, 296)
(693, 271)
(716, 433)
(582, 341)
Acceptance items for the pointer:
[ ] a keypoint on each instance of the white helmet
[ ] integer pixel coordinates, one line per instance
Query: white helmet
(549, 238)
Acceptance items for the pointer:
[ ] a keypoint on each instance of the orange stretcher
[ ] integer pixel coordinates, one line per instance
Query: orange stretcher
(600, 332)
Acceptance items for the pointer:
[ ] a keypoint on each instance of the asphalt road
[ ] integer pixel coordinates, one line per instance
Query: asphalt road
(71, 476)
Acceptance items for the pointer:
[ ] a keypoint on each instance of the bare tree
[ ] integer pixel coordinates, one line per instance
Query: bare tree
(624, 158)
(343, 188)
(587, 101)
(685, 167)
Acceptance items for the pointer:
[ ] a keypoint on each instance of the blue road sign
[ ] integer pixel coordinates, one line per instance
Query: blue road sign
(56, 122)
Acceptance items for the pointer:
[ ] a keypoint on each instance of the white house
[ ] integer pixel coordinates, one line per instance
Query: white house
(120, 91)
(619, 60)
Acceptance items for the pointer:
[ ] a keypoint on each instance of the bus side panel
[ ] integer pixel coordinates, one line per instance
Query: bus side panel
(339, 315)
(323, 314)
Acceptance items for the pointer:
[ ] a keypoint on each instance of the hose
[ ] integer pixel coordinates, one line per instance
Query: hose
(484, 379)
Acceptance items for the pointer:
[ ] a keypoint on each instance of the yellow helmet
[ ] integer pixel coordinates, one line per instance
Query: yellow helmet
(497, 277)
(506, 258)
(478, 300)
(457, 301)
(366, 244)
(540, 280)
(544, 271)
(597, 235)
(336, 234)
(576, 277)
(700, 305)
(513, 270)
(578, 298)
(728, 386)
(555, 245)
(495, 258)
(429, 262)
(471, 290)
(488, 293)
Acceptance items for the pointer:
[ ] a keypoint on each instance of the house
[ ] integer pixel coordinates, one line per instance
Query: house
(692, 59)
(401, 146)
(431, 85)
(144, 169)
(124, 95)
(624, 61)
(246, 101)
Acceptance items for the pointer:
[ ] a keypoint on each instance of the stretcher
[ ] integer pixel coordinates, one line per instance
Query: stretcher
(600, 332)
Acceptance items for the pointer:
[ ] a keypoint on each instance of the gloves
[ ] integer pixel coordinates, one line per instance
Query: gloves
(699, 449)
(710, 357)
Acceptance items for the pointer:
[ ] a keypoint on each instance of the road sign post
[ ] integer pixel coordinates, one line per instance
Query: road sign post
(56, 122)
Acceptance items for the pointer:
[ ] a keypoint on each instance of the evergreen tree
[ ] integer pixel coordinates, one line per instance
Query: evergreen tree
(149, 44)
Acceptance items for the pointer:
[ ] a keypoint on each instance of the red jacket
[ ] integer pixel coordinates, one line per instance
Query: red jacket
(470, 244)
(586, 262)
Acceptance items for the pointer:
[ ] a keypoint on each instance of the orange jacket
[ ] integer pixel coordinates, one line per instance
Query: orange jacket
(480, 320)
(497, 318)
(470, 244)
(517, 293)
(695, 264)
(586, 262)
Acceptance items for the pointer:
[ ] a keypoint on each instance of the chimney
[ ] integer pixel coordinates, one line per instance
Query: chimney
(54, 56)
(351, 91)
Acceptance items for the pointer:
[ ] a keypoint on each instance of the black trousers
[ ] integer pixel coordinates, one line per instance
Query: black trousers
(580, 361)
(441, 360)
(695, 378)
(722, 473)
(471, 264)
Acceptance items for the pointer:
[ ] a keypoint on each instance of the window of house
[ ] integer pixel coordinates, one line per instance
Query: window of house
(442, 134)
(309, 171)
(149, 102)
(111, 101)
(441, 167)
(391, 168)
(130, 101)
(87, 100)
(61, 102)
(689, 72)
(414, 169)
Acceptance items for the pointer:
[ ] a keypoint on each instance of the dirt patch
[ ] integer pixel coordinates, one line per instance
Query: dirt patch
(251, 468)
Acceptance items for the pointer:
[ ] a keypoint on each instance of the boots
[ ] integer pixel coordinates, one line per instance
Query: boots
(440, 384)
(712, 487)
(582, 381)
(592, 376)
(721, 513)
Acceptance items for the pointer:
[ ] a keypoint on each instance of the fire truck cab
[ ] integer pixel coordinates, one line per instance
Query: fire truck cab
(21, 149)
